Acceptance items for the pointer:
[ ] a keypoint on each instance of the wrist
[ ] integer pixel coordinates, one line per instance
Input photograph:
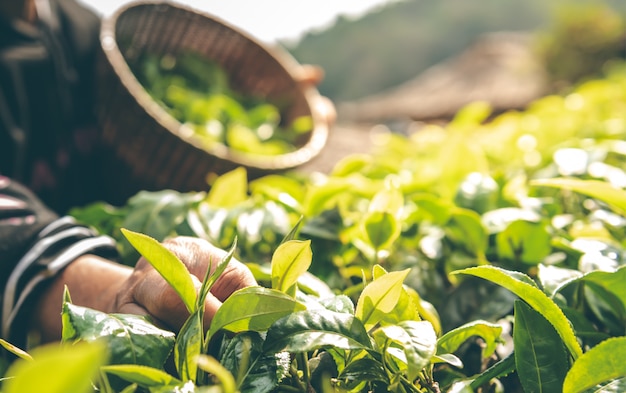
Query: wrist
(91, 281)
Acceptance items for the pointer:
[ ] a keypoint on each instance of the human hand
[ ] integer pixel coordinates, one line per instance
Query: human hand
(145, 292)
(111, 287)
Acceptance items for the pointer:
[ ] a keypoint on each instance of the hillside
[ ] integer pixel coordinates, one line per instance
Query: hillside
(396, 43)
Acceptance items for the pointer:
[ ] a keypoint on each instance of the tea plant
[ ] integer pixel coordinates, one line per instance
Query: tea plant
(475, 256)
(271, 338)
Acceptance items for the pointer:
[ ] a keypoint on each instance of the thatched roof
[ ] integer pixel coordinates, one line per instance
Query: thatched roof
(499, 68)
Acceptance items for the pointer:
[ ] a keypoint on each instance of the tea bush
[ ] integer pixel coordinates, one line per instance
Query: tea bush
(472, 257)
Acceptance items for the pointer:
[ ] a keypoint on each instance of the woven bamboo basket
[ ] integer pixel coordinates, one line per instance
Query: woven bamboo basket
(153, 150)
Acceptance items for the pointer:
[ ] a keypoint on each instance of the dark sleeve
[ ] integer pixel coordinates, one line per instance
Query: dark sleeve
(49, 139)
(80, 27)
(35, 244)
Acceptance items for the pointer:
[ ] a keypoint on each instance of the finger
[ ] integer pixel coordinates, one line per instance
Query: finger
(198, 255)
(235, 277)
(161, 301)
(211, 305)
(135, 309)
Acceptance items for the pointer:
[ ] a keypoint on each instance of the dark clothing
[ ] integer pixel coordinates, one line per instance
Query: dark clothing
(48, 143)
(47, 120)
(35, 244)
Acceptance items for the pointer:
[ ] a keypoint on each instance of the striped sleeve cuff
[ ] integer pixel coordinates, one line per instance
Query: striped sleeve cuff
(56, 246)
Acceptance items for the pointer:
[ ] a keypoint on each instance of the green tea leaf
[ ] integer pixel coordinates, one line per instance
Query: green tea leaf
(585, 327)
(190, 340)
(157, 213)
(325, 227)
(601, 363)
(285, 190)
(502, 368)
(405, 310)
(293, 233)
(475, 299)
(362, 370)
(189, 344)
(264, 113)
(478, 192)
(310, 284)
(534, 297)
(389, 200)
(598, 189)
(185, 387)
(614, 386)
(432, 209)
(595, 253)
(302, 124)
(321, 197)
(381, 229)
(57, 368)
(243, 138)
(607, 307)
(290, 260)
(132, 388)
(253, 308)
(142, 375)
(461, 386)
(212, 366)
(465, 228)
(456, 160)
(15, 350)
(524, 241)
(313, 329)
(604, 296)
(417, 339)
(540, 357)
(131, 339)
(489, 332)
(352, 163)
(230, 189)
(254, 370)
(448, 358)
(210, 278)
(425, 310)
(613, 282)
(168, 266)
(338, 303)
(104, 217)
(554, 277)
(379, 297)
(497, 220)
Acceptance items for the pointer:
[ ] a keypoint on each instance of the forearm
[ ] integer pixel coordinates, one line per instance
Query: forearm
(35, 247)
(91, 281)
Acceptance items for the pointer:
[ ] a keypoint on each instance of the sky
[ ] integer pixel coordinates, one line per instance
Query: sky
(268, 20)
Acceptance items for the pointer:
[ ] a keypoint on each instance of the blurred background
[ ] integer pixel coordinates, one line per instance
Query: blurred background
(398, 63)
(269, 20)
(369, 47)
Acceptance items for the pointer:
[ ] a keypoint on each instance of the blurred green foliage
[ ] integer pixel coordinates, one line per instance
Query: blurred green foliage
(581, 40)
(196, 92)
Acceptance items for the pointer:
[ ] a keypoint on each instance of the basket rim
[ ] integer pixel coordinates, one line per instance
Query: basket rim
(318, 135)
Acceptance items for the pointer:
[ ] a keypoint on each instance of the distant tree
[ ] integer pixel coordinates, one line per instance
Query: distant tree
(582, 39)
(394, 44)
